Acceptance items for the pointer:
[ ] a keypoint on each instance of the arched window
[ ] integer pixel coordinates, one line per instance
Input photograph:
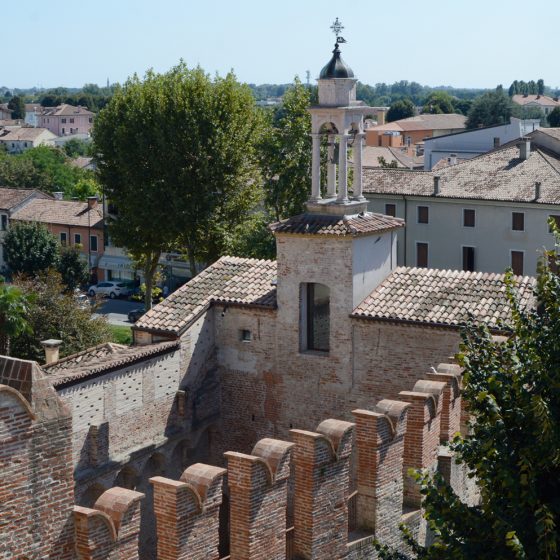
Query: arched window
(315, 317)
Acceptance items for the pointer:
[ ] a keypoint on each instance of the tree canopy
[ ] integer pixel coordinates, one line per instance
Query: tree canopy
(438, 102)
(73, 268)
(512, 390)
(181, 166)
(490, 108)
(30, 248)
(17, 106)
(14, 310)
(401, 109)
(554, 117)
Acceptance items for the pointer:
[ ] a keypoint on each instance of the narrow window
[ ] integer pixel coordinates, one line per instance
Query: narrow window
(77, 239)
(315, 317)
(468, 218)
(497, 142)
(63, 238)
(422, 255)
(518, 221)
(468, 259)
(423, 215)
(93, 243)
(71, 121)
(517, 262)
(391, 210)
(4, 222)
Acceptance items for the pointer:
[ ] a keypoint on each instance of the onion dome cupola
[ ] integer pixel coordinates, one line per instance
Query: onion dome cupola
(336, 67)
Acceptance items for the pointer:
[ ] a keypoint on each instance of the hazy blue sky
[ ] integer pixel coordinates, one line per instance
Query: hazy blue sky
(475, 43)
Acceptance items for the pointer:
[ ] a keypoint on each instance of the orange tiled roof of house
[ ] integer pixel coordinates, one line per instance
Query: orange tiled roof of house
(62, 212)
(66, 110)
(318, 224)
(12, 197)
(425, 122)
(101, 359)
(26, 133)
(542, 100)
(231, 280)
(444, 298)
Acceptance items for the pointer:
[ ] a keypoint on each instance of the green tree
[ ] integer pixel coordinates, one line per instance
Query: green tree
(438, 102)
(83, 188)
(181, 165)
(73, 268)
(393, 164)
(401, 109)
(554, 117)
(30, 248)
(490, 108)
(540, 86)
(286, 155)
(75, 147)
(14, 309)
(55, 314)
(512, 391)
(17, 106)
(462, 106)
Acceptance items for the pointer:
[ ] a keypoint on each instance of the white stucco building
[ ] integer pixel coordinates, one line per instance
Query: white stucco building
(485, 214)
(21, 139)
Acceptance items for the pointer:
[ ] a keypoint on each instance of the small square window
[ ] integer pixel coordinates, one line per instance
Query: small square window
(518, 221)
(391, 210)
(423, 214)
(468, 218)
(246, 335)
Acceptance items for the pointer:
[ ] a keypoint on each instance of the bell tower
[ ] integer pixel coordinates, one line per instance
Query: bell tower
(340, 118)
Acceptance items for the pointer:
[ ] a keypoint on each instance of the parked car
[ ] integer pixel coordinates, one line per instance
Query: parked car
(111, 289)
(135, 314)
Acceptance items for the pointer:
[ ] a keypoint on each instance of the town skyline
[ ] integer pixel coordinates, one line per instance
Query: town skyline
(436, 44)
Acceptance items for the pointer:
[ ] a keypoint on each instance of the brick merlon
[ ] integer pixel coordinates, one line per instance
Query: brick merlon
(83, 515)
(201, 477)
(277, 454)
(15, 394)
(115, 502)
(339, 433)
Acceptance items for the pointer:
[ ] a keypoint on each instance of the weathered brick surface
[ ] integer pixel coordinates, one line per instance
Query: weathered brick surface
(321, 470)
(187, 513)
(258, 501)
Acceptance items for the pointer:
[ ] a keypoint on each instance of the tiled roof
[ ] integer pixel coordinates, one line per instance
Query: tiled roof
(371, 154)
(443, 297)
(100, 359)
(26, 133)
(497, 175)
(542, 100)
(65, 110)
(425, 122)
(12, 197)
(552, 132)
(319, 224)
(63, 212)
(229, 280)
(81, 162)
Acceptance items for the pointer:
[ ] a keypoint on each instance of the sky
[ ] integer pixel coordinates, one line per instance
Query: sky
(462, 43)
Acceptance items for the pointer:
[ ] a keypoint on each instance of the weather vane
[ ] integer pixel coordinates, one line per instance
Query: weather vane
(337, 27)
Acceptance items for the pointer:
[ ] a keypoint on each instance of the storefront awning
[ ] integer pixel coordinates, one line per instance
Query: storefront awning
(116, 263)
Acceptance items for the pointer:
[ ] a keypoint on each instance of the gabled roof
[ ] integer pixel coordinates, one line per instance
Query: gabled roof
(444, 298)
(355, 225)
(26, 133)
(425, 122)
(101, 359)
(497, 175)
(9, 198)
(232, 280)
(62, 212)
(66, 110)
(541, 100)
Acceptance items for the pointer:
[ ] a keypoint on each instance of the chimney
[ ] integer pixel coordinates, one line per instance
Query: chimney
(452, 159)
(524, 148)
(58, 195)
(436, 185)
(51, 346)
(537, 190)
(91, 201)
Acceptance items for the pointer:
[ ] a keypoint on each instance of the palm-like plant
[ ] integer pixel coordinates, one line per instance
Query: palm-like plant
(14, 307)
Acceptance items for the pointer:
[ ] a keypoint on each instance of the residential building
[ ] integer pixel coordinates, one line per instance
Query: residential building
(73, 223)
(413, 130)
(66, 119)
(32, 112)
(12, 200)
(484, 214)
(471, 143)
(20, 139)
(543, 102)
(5, 113)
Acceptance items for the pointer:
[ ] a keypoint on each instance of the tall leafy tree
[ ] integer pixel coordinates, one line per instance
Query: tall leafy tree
(512, 390)
(490, 108)
(176, 155)
(73, 268)
(540, 86)
(30, 248)
(401, 109)
(438, 102)
(554, 117)
(14, 310)
(286, 154)
(17, 106)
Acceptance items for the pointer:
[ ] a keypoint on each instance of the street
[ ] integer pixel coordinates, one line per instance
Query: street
(116, 310)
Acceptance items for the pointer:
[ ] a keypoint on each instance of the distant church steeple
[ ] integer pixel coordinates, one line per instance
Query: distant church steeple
(339, 118)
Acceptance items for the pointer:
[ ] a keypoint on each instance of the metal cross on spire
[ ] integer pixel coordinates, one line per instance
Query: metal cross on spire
(337, 27)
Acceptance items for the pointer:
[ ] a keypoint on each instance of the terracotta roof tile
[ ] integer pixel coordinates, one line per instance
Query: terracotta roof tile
(229, 280)
(443, 297)
(497, 175)
(60, 212)
(26, 133)
(542, 100)
(318, 224)
(65, 110)
(12, 197)
(101, 358)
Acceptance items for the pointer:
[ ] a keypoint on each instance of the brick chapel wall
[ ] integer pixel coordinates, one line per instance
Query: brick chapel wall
(36, 490)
